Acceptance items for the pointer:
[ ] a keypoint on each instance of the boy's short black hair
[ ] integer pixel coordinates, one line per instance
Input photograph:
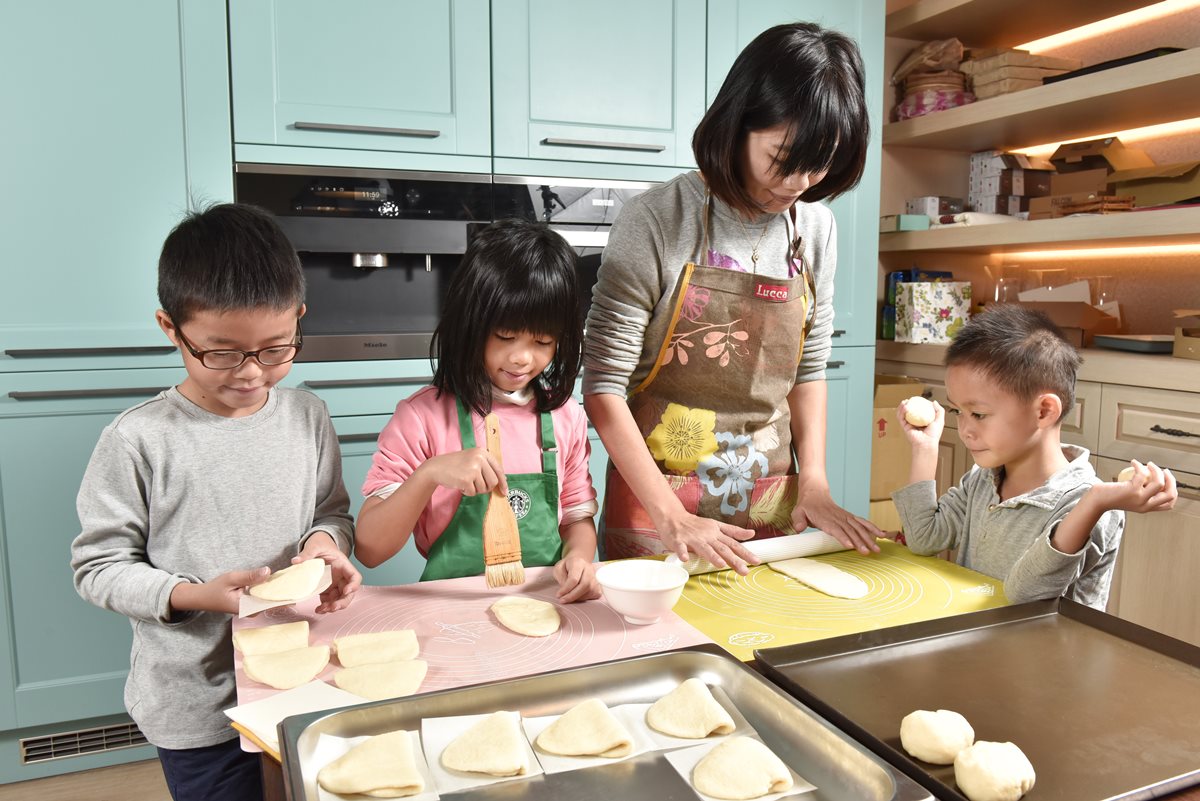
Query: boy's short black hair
(228, 257)
(515, 276)
(801, 75)
(1019, 349)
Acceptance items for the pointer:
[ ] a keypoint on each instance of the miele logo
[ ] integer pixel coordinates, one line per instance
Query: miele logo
(771, 292)
(603, 201)
(374, 344)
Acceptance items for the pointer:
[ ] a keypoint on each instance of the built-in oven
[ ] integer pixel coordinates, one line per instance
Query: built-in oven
(379, 247)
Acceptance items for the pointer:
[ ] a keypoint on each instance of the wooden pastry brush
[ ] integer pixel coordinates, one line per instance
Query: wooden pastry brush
(501, 537)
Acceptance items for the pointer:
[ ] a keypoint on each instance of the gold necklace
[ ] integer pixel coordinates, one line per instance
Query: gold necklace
(754, 250)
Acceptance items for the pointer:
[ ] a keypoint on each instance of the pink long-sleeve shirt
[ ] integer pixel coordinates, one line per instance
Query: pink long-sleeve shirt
(425, 425)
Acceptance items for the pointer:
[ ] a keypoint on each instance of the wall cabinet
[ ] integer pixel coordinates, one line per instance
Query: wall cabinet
(849, 377)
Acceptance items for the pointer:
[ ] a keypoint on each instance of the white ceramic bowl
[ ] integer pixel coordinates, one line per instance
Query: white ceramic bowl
(641, 590)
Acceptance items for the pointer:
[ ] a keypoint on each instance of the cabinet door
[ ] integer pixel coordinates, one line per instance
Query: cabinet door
(117, 122)
(732, 24)
(849, 376)
(382, 75)
(618, 82)
(69, 658)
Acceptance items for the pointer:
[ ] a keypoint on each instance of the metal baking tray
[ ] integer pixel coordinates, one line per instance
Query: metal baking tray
(1103, 708)
(841, 768)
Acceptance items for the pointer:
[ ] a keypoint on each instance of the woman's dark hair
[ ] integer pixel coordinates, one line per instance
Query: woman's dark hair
(800, 75)
(515, 276)
(228, 257)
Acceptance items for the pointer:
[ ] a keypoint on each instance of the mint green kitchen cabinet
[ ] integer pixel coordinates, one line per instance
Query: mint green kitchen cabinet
(372, 83)
(116, 123)
(618, 82)
(849, 377)
(732, 24)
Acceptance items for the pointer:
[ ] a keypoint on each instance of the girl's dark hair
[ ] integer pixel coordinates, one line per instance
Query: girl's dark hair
(228, 257)
(1019, 349)
(800, 75)
(515, 276)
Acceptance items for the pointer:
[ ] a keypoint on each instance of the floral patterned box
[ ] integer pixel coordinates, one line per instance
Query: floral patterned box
(931, 312)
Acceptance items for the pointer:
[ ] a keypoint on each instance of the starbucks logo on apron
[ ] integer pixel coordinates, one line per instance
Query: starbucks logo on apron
(520, 502)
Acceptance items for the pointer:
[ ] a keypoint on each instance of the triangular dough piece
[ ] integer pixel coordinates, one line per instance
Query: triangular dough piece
(376, 646)
(741, 768)
(284, 670)
(691, 711)
(494, 745)
(272, 639)
(383, 680)
(382, 766)
(527, 616)
(587, 729)
(822, 577)
(292, 583)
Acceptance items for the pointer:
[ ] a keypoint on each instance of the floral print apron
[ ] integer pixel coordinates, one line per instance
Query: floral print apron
(713, 409)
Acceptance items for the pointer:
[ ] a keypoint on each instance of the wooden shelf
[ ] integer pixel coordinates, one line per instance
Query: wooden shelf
(1000, 23)
(1165, 227)
(1158, 90)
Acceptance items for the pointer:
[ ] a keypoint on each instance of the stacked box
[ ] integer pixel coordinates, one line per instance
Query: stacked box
(1003, 183)
(933, 206)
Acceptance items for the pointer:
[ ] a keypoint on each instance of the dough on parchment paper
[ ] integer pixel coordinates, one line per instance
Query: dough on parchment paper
(989, 771)
(690, 711)
(376, 646)
(382, 766)
(919, 411)
(383, 680)
(741, 768)
(587, 729)
(822, 577)
(495, 746)
(935, 737)
(284, 670)
(271, 639)
(527, 616)
(292, 583)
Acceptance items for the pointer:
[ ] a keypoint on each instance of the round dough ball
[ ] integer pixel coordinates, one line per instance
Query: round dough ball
(1126, 474)
(919, 412)
(935, 737)
(993, 772)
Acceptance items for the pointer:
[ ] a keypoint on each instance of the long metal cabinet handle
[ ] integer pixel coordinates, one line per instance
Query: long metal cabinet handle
(1181, 485)
(1172, 432)
(355, 383)
(552, 140)
(77, 394)
(36, 353)
(839, 332)
(834, 365)
(420, 133)
(349, 438)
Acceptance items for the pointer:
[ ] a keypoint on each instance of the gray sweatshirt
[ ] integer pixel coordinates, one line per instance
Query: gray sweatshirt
(174, 493)
(655, 236)
(1010, 540)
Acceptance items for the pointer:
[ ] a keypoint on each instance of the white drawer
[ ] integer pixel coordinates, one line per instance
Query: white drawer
(1156, 425)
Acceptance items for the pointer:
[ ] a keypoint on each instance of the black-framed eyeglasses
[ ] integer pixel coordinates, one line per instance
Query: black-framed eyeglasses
(228, 359)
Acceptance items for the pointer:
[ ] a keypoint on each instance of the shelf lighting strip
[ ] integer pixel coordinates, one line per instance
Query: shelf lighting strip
(1176, 128)
(1101, 27)
(1185, 249)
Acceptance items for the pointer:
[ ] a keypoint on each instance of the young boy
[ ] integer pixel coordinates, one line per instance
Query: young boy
(1032, 511)
(207, 488)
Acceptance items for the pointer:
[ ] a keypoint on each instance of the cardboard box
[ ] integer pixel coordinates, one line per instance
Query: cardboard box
(1021, 73)
(1079, 321)
(1161, 185)
(1018, 58)
(1107, 153)
(933, 205)
(1007, 86)
(1000, 204)
(885, 515)
(993, 162)
(903, 222)
(1187, 334)
(891, 454)
(1045, 208)
(931, 312)
(1072, 183)
(1026, 183)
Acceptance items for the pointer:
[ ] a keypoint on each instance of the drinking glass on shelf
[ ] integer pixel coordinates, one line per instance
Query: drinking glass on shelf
(1103, 289)
(1008, 284)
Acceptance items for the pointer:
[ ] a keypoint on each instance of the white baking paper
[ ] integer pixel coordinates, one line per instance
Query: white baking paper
(329, 748)
(249, 605)
(263, 716)
(631, 717)
(684, 761)
(437, 733)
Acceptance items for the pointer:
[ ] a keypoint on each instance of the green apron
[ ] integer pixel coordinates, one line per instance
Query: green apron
(534, 499)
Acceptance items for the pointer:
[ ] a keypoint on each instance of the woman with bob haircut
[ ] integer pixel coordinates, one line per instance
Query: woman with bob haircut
(710, 327)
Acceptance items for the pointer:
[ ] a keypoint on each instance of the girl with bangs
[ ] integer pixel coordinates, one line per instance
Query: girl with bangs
(712, 315)
(508, 342)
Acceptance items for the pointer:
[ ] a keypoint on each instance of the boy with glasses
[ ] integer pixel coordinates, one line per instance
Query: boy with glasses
(206, 488)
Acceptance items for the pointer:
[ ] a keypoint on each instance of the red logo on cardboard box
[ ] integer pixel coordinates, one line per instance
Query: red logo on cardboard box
(773, 292)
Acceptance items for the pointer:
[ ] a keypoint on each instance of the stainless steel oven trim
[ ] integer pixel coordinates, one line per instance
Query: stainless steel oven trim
(356, 172)
(599, 184)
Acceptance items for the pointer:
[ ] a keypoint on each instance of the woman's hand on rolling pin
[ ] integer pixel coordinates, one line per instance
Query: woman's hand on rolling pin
(688, 535)
(815, 507)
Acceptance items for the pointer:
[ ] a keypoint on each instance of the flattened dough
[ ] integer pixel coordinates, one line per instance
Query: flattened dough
(822, 577)
(284, 670)
(993, 772)
(382, 766)
(271, 639)
(935, 737)
(377, 646)
(587, 729)
(527, 616)
(494, 745)
(292, 583)
(741, 768)
(383, 680)
(691, 711)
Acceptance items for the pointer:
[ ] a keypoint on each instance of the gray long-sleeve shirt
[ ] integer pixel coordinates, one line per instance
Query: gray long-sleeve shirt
(655, 236)
(174, 493)
(1010, 540)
